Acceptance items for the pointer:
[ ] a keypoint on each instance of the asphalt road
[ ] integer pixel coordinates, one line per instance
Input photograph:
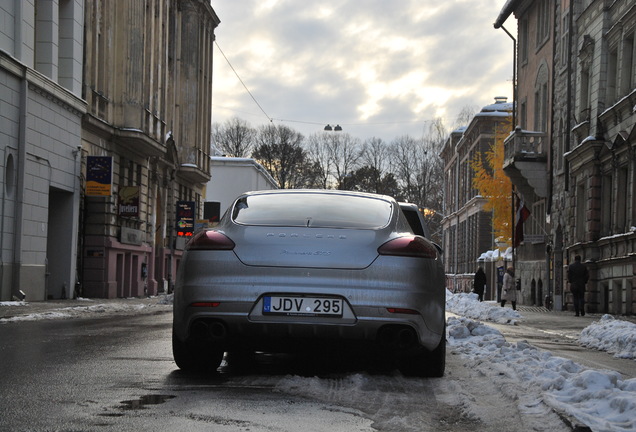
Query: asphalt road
(113, 371)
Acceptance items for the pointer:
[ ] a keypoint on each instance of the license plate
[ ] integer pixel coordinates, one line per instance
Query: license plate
(302, 306)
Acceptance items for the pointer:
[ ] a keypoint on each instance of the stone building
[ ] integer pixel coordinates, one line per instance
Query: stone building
(528, 149)
(587, 146)
(41, 110)
(148, 86)
(467, 227)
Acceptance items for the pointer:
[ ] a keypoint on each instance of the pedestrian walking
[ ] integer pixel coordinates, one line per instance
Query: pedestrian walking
(479, 284)
(578, 276)
(509, 290)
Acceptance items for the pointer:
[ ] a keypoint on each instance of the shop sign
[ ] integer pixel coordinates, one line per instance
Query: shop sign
(99, 175)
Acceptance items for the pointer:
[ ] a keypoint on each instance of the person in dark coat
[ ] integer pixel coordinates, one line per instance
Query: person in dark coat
(480, 283)
(578, 277)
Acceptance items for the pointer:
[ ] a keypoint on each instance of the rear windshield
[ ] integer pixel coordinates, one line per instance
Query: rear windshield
(312, 210)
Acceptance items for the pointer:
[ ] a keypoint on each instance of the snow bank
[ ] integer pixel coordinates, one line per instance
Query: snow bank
(614, 336)
(597, 398)
(468, 305)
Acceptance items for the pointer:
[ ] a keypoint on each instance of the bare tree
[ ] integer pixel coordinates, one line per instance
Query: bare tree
(375, 155)
(405, 159)
(319, 153)
(235, 137)
(466, 115)
(344, 153)
(279, 149)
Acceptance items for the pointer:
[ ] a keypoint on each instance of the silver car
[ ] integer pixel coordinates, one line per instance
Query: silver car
(320, 270)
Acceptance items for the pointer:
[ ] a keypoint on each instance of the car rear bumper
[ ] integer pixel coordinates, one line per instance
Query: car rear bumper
(238, 331)
(236, 319)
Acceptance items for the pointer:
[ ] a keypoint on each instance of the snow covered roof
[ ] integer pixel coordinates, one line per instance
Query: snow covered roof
(495, 255)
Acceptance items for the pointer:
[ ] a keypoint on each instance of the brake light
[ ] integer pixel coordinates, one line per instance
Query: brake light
(409, 246)
(206, 304)
(403, 311)
(210, 240)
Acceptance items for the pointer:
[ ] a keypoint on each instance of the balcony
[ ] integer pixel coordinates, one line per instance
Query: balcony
(526, 156)
(195, 166)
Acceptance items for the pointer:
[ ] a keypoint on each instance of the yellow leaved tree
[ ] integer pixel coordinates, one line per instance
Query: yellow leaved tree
(493, 184)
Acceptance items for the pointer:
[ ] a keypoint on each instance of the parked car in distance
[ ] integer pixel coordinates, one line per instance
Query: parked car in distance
(322, 270)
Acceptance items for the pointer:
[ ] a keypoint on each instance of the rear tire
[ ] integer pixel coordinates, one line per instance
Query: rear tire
(196, 358)
(424, 363)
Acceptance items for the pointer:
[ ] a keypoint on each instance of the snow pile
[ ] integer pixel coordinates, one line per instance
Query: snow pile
(90, 310)
(532, 377)
(166, 299)
(609, 334)
(468, 305)
(614, 336)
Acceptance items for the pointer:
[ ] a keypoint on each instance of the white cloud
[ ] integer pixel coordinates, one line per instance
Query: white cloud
(377, 68)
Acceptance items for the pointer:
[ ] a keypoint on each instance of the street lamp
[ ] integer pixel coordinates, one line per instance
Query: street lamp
(335, 128)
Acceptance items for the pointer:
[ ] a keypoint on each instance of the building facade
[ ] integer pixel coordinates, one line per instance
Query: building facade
(528, 148)
(467, 227)
(41, 49)
(231, 176)
(588, 145)
(148, 87)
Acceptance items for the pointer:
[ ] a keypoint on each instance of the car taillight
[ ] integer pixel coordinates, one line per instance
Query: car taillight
(205, 304)
(409, 246)
(210, 240)
(402, 311)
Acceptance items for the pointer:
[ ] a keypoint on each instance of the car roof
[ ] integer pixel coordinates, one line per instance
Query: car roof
(320, 191)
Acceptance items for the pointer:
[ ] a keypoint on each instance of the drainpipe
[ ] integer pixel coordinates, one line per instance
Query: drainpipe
(568, 119)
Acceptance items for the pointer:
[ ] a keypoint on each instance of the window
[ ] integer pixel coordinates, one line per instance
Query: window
(612, 75)
(606, 205)
(523, 114)
(523, 41)
(584, 95)
(308, 210)
(581, 222)
(621, 203)
(565, 33)
(543, 22)
(627, 66)
(541, 100)
(541, 108)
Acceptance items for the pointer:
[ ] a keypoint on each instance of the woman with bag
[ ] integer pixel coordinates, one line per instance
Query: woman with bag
(508, 291)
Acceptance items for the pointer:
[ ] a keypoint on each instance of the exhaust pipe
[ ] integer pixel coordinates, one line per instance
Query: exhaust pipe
(203, 330)
(199, 330)
(217, 331)
(397, 337)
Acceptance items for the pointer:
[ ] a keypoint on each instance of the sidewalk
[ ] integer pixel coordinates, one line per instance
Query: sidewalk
(15, 311)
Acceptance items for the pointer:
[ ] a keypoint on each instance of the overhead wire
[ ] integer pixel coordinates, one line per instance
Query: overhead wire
(239, 78)
(271, 119)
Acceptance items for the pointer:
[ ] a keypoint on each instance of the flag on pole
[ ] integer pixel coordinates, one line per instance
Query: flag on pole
(522, 215)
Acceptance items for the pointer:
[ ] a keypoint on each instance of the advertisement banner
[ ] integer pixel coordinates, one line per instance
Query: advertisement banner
(99, 175)
(185, 218)
(128, 201)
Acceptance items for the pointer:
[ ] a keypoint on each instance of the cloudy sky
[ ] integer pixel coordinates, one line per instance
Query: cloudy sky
(379, 68)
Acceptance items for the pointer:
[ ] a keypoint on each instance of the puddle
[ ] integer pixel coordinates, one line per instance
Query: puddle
(145, 400)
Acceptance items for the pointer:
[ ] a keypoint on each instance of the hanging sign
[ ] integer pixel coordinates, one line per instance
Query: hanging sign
(99, 175)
